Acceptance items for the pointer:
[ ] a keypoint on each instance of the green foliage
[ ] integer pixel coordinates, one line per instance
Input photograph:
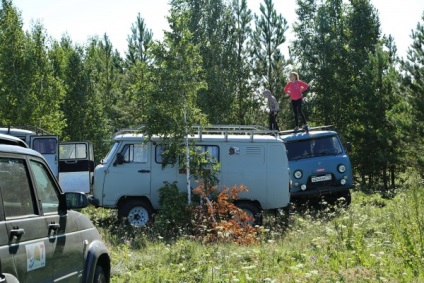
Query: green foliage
(245, 111)
(375, 240)
(29, 92)
(208, 68)
(178, 78)
(139, 43)
(413, 83)
(174, 217)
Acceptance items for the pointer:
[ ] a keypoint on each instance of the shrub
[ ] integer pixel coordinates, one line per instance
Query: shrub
(220, 220)
(174, 217)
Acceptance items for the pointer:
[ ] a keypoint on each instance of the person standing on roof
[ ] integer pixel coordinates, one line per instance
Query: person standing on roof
(295, 89)
(274, 108)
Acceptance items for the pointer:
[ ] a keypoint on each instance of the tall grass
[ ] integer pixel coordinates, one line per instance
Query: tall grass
(374, 240)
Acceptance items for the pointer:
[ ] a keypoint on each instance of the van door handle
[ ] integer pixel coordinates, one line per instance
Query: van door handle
(143, 171)
(71, 161)
(17, 232)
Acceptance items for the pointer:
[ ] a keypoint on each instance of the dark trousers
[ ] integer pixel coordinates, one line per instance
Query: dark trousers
(297, 109)
(273, 121)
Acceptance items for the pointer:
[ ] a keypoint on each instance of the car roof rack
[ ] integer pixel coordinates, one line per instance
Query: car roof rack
(317, 128)
(224, 130)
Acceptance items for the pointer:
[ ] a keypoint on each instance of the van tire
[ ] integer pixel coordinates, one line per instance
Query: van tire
(138, 212)
(347, 199)
(251, 210)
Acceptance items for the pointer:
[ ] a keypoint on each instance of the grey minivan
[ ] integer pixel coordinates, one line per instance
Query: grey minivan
(41, 238)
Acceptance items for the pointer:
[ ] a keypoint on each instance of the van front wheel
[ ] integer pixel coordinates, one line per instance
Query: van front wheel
(137, 212)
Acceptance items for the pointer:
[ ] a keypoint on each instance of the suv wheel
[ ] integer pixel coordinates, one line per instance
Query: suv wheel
(99, 275)
(137, 212)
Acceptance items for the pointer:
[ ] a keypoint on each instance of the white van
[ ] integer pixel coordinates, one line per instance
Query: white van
(72, 163)
(131, 174)
(39, 140)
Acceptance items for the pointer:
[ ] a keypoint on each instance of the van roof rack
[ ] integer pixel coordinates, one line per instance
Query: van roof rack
(318, 128)
(37, 130)
(225, 130)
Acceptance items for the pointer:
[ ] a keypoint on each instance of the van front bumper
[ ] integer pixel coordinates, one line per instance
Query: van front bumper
(322, 191)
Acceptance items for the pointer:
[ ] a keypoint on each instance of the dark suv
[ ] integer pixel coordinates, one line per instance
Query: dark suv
(41, 239)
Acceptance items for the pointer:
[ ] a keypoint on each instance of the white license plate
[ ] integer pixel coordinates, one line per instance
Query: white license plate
(321, 178)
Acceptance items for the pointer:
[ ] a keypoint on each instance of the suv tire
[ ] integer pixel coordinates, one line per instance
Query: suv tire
(99, 275)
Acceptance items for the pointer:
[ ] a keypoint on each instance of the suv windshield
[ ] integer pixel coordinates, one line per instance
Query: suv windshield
(313, 148)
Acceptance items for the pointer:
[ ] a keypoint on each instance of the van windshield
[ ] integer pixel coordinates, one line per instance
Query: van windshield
(110, 154)
(313, 148)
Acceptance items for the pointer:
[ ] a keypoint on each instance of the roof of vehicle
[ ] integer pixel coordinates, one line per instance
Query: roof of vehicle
(12, 140)
(16, 131)
(210, 138)
(305, 135)
(5, 148)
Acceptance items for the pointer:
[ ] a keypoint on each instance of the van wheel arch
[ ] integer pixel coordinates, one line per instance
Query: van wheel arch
(252, 208)
(137, 210)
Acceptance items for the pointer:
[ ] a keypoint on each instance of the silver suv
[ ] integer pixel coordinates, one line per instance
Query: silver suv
(41, 239)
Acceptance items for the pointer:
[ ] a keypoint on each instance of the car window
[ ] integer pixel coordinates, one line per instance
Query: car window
(135, 153)
(160, 156)
(73, 151)
(46, 188)
(45, 145)
(211, 151)
(15, 188)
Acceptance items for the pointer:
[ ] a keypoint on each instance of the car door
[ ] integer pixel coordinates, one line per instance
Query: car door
(48, 146)
(7, 265)
(26, 230)
(65, 240)
(76, 166)
(131, 176)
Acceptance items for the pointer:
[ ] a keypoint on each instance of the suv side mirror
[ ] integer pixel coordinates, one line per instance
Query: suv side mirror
(348, 147)
(75, 200)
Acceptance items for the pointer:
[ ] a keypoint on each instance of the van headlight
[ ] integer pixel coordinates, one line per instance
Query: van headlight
(341, 168)
(298, 174)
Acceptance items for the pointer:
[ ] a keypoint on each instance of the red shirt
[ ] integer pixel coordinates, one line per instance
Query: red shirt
(295, 89)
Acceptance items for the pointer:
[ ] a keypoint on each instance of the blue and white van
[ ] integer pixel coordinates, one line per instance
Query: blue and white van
(319, 164)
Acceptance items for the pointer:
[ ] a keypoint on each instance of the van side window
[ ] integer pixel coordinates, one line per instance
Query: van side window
(212, 150)
(135, 153)
(159, 155)
(73, 151)
(45, 146)
(46, 188)
(15, 188)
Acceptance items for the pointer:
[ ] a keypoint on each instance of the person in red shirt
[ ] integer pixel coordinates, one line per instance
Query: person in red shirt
(294, 89)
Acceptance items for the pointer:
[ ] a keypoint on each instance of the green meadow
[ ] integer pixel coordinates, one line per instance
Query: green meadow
(378, 238)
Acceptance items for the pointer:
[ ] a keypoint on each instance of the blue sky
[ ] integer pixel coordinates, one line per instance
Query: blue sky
(84, 18)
